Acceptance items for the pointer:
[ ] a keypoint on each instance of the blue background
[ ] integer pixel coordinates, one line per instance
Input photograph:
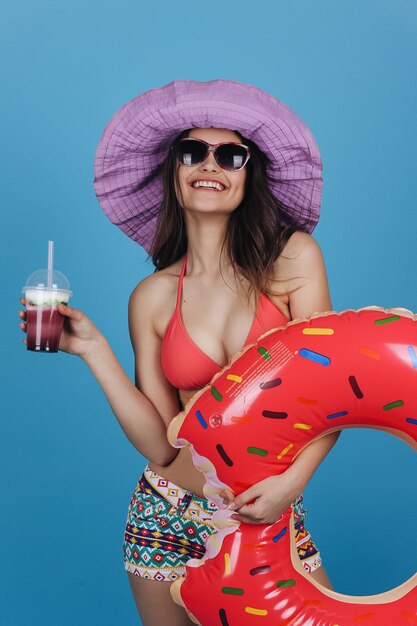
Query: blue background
(348, 69)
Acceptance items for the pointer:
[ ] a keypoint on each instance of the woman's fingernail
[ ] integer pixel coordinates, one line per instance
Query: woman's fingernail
(231, 506)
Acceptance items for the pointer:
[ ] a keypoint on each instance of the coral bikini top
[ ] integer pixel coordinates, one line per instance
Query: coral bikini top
(184, 364)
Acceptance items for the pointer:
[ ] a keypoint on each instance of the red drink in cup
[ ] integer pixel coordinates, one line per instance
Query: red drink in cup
(43, 321)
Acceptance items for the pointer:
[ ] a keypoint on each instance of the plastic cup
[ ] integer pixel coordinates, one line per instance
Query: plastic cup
(43, 321)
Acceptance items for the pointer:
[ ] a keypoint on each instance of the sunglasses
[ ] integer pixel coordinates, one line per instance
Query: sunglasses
(229, 156)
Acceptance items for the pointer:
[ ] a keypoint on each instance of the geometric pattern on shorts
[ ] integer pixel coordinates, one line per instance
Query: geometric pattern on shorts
(167, 525)
(306, 548)
(160, 536)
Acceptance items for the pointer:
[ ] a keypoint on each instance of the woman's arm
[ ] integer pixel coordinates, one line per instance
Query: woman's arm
(151, 306)
(143, 423)
(136, 414)
(300, 277)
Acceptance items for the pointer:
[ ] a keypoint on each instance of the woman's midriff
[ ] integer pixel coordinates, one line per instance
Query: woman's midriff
(181, 470)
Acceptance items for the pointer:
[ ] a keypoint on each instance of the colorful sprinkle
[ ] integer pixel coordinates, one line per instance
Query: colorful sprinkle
(226, 563)
(264, 353)
(284, 451)
(271, 383)
(413, 355)
(234, 591)
(318, 331)
(320, 359)
(303, 426)
(259, 451)
(307, 401)
(363, 618)
(332, 416)
(286, 583)
(201, 419)
(393, 405)
(370, 353)
(277, 415)
(355, 387)
(216, 393)
(253, 611)
(280, 534)
(223, 617)
(262, 569)
(411, 420)
(241, 419)
(235, 378)
(387, 320)
(224, 455)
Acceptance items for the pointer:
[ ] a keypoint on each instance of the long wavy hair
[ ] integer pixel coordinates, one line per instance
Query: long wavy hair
(255, 236)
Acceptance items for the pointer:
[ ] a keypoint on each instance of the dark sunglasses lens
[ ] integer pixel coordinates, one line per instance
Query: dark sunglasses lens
(230, 156)
(190, 152)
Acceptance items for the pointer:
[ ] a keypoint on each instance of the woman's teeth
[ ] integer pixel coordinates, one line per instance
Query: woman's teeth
(207, 184)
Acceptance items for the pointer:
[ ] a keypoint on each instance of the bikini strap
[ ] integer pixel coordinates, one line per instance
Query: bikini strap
(180, 279)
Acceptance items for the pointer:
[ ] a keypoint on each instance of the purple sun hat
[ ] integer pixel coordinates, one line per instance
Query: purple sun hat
(137, 139)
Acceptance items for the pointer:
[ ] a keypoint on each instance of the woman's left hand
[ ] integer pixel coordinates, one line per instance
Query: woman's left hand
(264, 502)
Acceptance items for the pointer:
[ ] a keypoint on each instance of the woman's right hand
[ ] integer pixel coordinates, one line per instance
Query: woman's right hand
(79, 333)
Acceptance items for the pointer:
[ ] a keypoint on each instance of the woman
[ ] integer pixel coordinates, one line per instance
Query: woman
(233, 262)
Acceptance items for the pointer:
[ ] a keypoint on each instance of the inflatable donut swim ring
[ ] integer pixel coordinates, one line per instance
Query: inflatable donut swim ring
(332, 371)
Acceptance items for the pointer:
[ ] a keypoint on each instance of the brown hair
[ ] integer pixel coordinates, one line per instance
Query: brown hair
(256, 233)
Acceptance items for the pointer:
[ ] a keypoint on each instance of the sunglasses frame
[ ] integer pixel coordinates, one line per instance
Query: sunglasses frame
(212, 147)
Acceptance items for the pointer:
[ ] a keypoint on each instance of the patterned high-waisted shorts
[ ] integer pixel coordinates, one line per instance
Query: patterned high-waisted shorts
(167, 525)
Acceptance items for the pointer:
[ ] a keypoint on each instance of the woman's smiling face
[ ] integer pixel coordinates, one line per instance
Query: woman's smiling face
(207, 187)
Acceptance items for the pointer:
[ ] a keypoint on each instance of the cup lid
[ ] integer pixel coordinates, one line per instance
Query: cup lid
(38, 281)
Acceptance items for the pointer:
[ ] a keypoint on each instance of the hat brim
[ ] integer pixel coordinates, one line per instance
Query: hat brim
(138, 136)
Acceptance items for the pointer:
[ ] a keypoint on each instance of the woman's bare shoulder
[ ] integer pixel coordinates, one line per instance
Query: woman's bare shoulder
(157, 286)
(300, 274)
(300, 244)
(301, 257)
(154, 297)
